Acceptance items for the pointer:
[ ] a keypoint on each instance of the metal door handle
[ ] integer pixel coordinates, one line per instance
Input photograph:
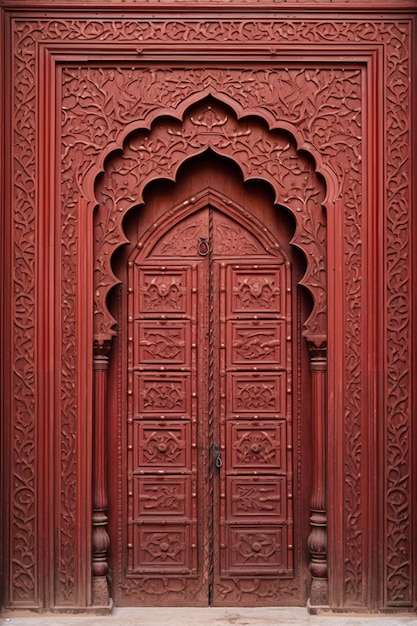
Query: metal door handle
(217, 456)
(203, 246)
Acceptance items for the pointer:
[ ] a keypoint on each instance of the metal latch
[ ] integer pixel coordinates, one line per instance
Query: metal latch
(217, 456)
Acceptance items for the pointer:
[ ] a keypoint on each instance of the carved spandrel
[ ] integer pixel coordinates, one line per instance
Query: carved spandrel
(228, 238)
(232, 240)
(182, 241)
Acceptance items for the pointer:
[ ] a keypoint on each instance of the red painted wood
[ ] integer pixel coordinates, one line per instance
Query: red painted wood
(329, 108)
(209, 376)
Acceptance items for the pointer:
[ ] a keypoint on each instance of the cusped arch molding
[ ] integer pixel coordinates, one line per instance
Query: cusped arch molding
(261, 153)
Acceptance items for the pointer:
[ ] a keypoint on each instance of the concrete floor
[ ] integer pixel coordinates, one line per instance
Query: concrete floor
(209, 617)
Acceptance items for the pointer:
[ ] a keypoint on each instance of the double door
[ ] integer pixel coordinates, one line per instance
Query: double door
(208, 430)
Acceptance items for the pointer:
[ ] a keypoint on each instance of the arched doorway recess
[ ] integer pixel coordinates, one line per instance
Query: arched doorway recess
(184, 280)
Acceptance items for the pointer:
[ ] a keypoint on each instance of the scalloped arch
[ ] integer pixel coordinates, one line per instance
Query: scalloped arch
(157, 152)
(178, 112)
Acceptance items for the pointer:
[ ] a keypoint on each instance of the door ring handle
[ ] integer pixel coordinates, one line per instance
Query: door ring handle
(203, 247)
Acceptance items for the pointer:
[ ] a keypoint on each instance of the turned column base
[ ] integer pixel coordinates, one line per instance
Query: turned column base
(319, 594)
(100, 595)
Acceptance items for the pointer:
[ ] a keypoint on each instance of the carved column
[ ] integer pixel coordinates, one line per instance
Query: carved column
(317, 541)
(100, 537)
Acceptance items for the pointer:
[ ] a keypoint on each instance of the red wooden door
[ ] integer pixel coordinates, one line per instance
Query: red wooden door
(209, 413)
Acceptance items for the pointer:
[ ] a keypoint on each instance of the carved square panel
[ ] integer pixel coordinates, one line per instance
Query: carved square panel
(256, 497)
(256, 342)
(160, 393)
(257, 549)
(255, 289)
(162, 343)
(161, 446)
(256, 394)
(164, 549)
(163, 289)
(261, 446)
(163, 496)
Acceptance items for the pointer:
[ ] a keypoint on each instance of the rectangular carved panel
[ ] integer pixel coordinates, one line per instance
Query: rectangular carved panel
(251, 498)
(256, 446)
(164, 445)
(163, 291)
(257, 551)
(253, 290)
(161, 495)
(257, 394)
(157, 394)
(260, 343)
(162, 344)
(164, 550)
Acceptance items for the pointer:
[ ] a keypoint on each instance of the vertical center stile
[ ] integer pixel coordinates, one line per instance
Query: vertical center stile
(210, 385)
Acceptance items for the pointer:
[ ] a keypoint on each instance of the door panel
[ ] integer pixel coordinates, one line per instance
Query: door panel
(255, 422)
(209, 509)
(162, 428)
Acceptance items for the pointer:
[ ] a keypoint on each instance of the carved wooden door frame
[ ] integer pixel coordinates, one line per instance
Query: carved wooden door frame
(323, 81)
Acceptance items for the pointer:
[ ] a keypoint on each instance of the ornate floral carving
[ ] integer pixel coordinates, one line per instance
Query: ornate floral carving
(182, 242)
(163, 344)
(256, 396)
(261, 588)
(163, 447)
(257, 549)
(257, 447)
(165, 498)
(163, 547)
(257, 498)
(231, 240)
(318, 103)
(24, 428)
(256, 344)
(255, 293)
(158, 396)
(398, 502)
(162, 294)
